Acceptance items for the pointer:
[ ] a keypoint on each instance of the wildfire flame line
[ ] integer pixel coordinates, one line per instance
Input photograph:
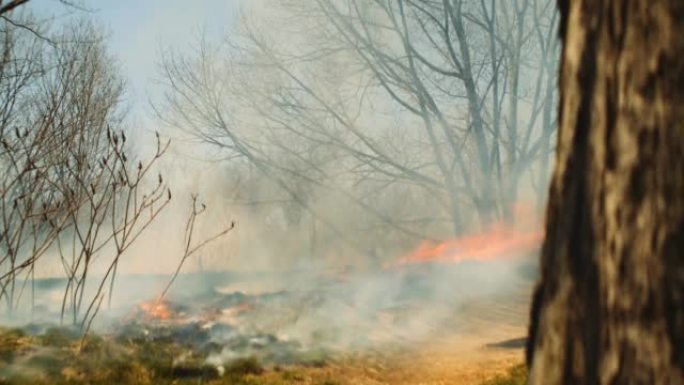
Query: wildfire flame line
(499, 242)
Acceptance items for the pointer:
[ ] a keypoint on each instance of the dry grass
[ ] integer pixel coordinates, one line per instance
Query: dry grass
(60, 357)
(516, 375)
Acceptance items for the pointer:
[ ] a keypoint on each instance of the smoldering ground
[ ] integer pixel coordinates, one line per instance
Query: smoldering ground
(287, 317)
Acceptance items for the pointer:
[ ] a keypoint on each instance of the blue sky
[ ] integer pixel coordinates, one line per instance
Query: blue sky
(139, 29)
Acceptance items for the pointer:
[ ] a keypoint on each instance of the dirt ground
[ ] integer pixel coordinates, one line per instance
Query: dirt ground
(468, 357)
(457, 360)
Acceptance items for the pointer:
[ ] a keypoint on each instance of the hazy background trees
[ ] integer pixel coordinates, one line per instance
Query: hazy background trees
(344, 129)
(373, 124)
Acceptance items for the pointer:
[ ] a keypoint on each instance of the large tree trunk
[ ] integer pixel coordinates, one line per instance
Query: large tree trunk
(610, 305)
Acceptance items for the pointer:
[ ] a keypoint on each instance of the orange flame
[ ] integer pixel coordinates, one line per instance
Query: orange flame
(483, 247)
(499, 242)
(158, 310)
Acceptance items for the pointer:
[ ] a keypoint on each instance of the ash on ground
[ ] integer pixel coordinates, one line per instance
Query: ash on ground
(297, 320)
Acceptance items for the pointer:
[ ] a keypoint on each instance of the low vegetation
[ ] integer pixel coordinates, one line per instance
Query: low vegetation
(60, 356)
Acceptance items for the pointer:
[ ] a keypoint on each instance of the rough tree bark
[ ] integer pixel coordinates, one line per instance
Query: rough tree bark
(610, 305)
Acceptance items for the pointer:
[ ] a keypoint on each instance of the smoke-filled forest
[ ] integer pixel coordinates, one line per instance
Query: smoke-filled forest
(333, 192)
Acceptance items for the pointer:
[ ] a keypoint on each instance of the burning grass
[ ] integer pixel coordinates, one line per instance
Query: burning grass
(369, 328)
(153, 352)
(487, 246)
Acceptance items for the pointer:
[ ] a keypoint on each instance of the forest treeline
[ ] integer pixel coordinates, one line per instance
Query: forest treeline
(363, 126)
(369, 124)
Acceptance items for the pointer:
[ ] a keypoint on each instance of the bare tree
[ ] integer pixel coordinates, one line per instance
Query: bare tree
(31, 207)
(68, 182)
(191, 247)
(418, 119)
(469, 99)
(11, 5)
(118, 208)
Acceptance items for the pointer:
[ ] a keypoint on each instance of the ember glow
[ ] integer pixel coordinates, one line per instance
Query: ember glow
(499, 242)
(156, 310)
